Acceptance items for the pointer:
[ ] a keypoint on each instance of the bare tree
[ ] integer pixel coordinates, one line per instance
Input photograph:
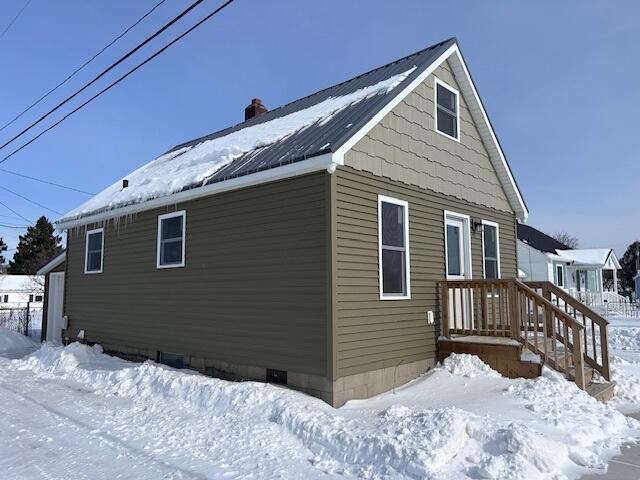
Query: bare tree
(566, 238)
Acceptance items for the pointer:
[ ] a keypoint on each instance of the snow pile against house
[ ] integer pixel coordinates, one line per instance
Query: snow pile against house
(475, 424)
(194, 165)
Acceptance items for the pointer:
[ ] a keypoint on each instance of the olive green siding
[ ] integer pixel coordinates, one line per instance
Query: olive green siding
(373, 333)
(253, 291)
(405, 146)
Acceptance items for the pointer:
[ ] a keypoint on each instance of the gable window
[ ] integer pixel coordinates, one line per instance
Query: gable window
(94, 251)
(491, 249)
(393, 248)
(171, 240)
(560, 275)
(447, 110)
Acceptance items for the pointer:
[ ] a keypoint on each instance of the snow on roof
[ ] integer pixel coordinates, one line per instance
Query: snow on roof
(587, 256)
(195, 164)
(21, 283)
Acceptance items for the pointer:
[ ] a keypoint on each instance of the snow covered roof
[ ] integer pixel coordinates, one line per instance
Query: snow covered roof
(300, 132)
(21, 283)
(591, 256)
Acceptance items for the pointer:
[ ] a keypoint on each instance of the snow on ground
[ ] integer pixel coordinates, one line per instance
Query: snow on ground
(15, 344)
(624, 352)
(75, 412)
(194, 165)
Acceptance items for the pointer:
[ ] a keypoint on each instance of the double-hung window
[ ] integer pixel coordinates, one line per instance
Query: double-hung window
(560, 275)
(171, 239)
(491, 249)
(94, 251)
(447, 110)
(393, 248)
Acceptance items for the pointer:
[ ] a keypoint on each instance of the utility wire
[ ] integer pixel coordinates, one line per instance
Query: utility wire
(13, 211)
(72, 74)
(113, 84)
(3, 225)
(4, 170)
(26, 4)
(30, 201)
(104, 72)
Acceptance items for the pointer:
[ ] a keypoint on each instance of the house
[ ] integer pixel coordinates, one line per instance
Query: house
(52, 315)
(16, 291)
(325, 245)
(588, 274)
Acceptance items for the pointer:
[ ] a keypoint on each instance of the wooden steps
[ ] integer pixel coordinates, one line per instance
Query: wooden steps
(601, 391)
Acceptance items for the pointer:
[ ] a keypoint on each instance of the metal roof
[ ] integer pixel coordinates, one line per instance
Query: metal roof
(323, 137)
(539, 240)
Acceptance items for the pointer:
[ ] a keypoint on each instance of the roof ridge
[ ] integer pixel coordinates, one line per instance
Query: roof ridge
(300, 99)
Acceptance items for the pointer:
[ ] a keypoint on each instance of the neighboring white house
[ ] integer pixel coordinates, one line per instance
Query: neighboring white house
(18, 290)
(589, 274)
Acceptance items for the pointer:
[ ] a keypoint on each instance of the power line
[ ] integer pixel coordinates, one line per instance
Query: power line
(72, 74)
(26, 4)
(13, 211)
(30, 201)
(4, 225)
(45, 181)
(107, 70)
(113, 84)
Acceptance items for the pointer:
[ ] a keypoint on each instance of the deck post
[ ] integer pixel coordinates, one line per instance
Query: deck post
(514, 318)
(578, 357)
(444, 310)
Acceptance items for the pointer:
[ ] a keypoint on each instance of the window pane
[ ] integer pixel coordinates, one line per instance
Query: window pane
(560, 271)
(490, 242)
(446, 98)
(94, 260)
(453, 250)
(491, 268)
(171, 252)
(172, 227)
(393, 272)
(392, 225)
(447, 123)
(95, 241)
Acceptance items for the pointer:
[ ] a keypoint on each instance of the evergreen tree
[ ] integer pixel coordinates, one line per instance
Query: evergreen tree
(35, 248)
(629, 265)
(3, 248)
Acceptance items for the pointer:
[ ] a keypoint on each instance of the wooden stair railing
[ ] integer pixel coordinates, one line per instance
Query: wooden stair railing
(510, 308)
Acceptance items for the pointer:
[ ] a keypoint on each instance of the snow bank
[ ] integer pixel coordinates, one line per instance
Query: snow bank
(11, 341)
(189, 166)
(566, 427)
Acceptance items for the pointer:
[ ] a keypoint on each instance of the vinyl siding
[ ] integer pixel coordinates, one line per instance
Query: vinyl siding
(373, 333)
(405, 146)
(253, 291)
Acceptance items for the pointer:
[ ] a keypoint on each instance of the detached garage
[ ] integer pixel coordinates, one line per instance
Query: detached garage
(52, 313)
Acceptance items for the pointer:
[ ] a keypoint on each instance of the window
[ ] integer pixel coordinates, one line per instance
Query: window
(39, 298)
(94, 250)
(393, 248)
(560, 275)
(171, 240)
(491, 249)
(447, 108)
(457, 245)
(4, 298)
(31, 298)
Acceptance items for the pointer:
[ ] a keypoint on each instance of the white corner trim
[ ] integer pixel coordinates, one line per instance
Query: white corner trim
(86, 250)
(313, 164)
(407, 259)
(484, 265)
(437, 82)
(466, 220)
(180, 213)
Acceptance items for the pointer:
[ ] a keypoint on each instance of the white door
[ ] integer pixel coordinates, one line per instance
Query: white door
(458, 265)
(54, 307)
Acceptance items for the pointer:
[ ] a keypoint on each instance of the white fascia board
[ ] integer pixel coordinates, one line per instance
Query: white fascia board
(52, 264)
(469, 92)
(302, 167)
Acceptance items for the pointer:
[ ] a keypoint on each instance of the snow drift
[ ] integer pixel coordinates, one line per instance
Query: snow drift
(548, 426)
(13, 341)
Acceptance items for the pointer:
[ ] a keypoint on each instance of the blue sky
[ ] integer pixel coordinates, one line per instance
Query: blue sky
(559, 80)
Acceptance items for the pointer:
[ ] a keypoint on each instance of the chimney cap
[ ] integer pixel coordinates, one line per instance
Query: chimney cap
(255, 109)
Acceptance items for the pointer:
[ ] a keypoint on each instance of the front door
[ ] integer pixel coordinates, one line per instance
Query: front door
(55, 302)
(458, 267)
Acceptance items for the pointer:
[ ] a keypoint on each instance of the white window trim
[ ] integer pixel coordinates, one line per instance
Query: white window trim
(437, 82)
(183, 214)
(484, 265)
(407, 259)
(564, 275)
(86, 251)
(466, 219)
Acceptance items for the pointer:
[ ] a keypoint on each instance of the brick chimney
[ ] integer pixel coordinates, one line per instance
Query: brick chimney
(255, 109)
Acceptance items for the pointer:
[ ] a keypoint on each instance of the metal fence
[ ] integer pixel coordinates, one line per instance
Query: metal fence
(26, 320)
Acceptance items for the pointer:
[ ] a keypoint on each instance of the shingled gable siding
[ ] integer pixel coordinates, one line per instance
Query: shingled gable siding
(373, 333)
(253, 291)
(405, 146)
